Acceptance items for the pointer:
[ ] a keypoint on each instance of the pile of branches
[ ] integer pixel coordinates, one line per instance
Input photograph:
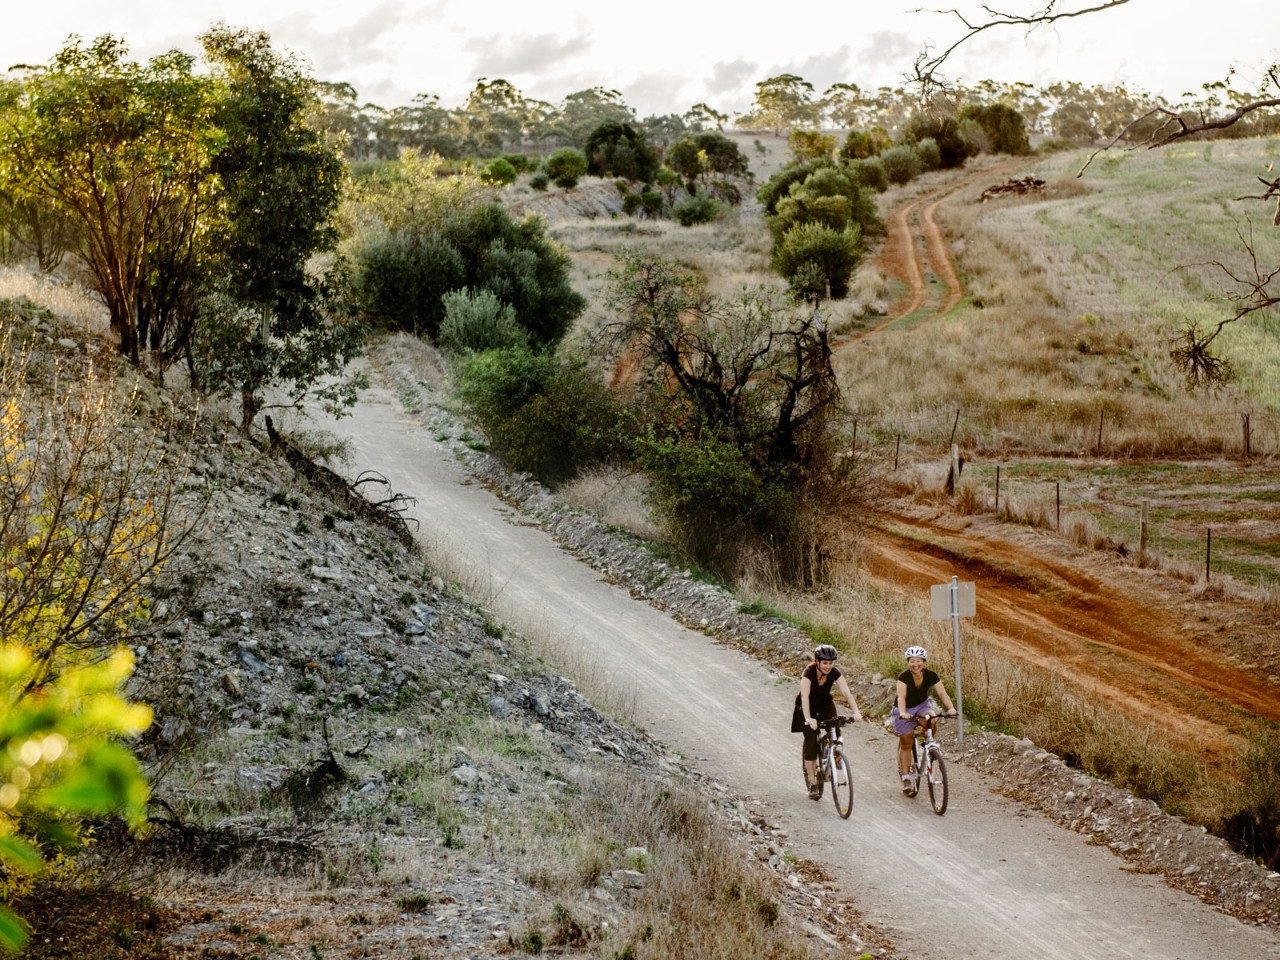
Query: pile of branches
(1017, 185)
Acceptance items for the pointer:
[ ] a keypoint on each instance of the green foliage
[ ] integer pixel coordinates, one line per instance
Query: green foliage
(1004, 126)
(813, 256)
(779, 185)
(696, 208)
(862, 144)
(647, 202)
(929, 154)
(401, 281)
(539, 181)
(901, 164)
(521, 162)
(619, 150)
(499, 172)
(566, 167)
(478, 321)
(869, 174)
(549, 416)
(829, 196)
(807, 145)
(944, 129)
(705, 155)
(782, 102)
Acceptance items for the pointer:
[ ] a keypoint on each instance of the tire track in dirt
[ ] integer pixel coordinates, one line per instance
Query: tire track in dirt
(1128, 650)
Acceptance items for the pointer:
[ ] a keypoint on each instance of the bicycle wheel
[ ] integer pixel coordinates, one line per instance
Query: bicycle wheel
(841, 783)
(937, 776)
(915, 770)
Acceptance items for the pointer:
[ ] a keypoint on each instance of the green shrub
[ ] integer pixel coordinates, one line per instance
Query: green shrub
(869, 174)
(830, 196)
(646, 202)
(620, 150)
(521, 162)
(549, 416)
(813, 255)
(566, 167)
(779, 185)
(1004, 126)
(539, 181)
(697, 208)
(400, 279)
(499, 172)
(707, 154)
(863, 144)
(476, 321)
(901, 164)
(929, 154)
(944, 129)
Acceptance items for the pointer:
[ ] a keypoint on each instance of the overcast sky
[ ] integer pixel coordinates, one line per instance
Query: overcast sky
(665, 55)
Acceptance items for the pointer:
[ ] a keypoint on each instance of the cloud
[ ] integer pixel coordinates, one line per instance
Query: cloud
(887, 54)
(823, 69)
(729, 78)
(501, 55)
(655, 93)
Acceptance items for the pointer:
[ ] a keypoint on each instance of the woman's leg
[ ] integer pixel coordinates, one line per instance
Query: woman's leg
(904, 753)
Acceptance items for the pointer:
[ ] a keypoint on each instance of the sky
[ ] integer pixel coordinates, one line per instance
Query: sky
(666, 55)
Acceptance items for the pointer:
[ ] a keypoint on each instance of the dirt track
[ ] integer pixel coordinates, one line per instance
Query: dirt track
(1118, 639)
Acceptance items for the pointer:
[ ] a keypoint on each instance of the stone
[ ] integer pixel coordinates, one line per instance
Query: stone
(466, 776)
(437, 584)
(499, 707)
(541, 707)
(326, 573)
(232, 686)
(415, 628)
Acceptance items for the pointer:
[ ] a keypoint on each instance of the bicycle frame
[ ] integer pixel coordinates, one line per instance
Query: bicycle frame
(929, 765)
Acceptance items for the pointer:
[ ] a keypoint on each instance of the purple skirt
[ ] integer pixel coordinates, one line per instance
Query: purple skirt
(902, 727)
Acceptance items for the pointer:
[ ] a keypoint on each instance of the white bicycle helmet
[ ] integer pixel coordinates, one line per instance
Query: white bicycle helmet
(920, 652)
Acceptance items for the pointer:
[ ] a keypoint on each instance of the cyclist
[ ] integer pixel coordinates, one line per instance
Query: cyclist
(914, 703)
(815, 702)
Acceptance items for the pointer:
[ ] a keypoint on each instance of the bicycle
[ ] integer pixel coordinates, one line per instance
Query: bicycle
(832, 766)
(927, 762)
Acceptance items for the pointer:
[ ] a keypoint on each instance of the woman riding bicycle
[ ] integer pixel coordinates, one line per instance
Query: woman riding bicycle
(815, 702)
(914, 703)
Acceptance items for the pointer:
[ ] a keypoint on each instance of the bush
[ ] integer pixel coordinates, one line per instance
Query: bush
(706, 154)
(1004, 126)
(779, 185)
(812, 256)
(697, 208)
(863, 144)
(499, 172)
(620, 150)
(929, 154)
(539, 181)
(828, 195)
(521, 162)
(809, 145)
(548, 416)
(566, 167)
(479, 321)
(646, 202)
(400, 280)
(869, 174)
(944, 129)
(901, 164)
(712, 497)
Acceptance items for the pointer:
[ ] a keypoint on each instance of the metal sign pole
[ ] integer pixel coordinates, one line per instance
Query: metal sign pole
(955, 633)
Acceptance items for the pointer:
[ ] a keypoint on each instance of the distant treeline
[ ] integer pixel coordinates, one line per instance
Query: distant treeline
(497, 118)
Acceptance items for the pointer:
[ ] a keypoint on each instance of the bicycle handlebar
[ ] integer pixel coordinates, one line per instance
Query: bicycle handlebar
(834, 722)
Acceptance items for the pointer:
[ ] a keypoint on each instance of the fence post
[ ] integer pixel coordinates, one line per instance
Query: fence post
(1244, 426)
(897, 445)
(997, 488)
(1098, 448)
(1057, 505)
(853, 444)
(1208, 552)
(1142, 536)
(954, 426)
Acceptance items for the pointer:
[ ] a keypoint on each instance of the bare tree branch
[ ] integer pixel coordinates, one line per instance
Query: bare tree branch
(926, 65)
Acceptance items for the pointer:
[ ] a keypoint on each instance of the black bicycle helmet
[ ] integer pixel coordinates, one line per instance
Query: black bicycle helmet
(824, 651)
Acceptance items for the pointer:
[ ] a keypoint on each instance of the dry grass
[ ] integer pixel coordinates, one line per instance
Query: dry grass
(65, 298)
(618, 497)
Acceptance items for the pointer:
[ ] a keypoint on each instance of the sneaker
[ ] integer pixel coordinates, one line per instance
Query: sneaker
(906, 785)
(815, 792)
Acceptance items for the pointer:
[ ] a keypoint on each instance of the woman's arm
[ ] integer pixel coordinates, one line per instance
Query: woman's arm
(941, 691)
(804, 703)
(902, 699)
(843, 686)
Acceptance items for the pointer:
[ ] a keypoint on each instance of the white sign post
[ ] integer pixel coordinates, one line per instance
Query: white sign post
(951, 601)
